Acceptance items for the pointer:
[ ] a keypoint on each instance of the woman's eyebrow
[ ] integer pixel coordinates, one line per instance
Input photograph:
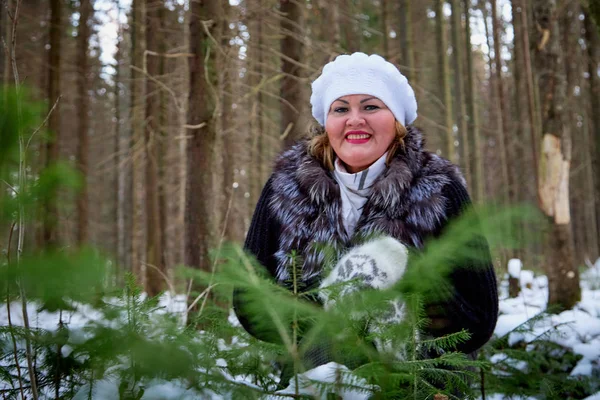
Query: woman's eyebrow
(367, 99)
(343, 101)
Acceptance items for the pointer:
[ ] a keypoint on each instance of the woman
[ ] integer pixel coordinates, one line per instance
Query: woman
(363, 172)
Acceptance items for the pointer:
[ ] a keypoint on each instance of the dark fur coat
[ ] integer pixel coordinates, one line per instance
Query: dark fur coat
(300, 211)
(407, 202)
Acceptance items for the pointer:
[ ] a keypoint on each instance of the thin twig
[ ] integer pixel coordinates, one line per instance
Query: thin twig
(221, 239)
(168, 55)
(159, 83)
(11, 187)
(164, 276)
(43, 123)
(204, 293)
(9, 315)
(21, 214)
(199, 126)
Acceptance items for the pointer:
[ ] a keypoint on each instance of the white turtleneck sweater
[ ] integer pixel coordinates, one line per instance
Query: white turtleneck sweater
(355, 189)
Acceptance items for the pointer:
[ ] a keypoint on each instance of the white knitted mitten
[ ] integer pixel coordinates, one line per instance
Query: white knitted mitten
(377, 264)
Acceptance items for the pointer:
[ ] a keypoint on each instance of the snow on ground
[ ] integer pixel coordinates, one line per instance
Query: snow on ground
(578, 329)
(328, 373)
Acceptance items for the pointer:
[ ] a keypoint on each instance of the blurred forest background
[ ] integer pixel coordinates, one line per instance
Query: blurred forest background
(173, 111)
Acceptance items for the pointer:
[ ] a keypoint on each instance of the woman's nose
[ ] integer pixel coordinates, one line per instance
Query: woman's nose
(355, 118)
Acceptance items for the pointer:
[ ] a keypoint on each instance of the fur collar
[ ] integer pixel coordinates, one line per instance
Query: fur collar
(406, 202)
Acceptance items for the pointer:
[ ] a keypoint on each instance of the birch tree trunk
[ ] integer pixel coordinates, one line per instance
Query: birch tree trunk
(444, 78)
(563, 276)
(83, 37)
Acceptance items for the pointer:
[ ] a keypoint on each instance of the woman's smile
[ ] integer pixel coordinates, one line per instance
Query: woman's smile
(357, 137)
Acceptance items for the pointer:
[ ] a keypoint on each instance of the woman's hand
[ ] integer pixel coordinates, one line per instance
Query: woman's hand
(377, 264)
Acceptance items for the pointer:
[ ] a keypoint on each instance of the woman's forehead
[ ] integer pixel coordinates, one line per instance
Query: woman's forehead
(359, 97)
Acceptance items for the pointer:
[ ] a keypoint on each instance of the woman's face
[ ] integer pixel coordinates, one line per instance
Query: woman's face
(360, 129)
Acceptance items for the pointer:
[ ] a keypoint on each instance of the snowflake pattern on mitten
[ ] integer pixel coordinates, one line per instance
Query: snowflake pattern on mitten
(378, 264)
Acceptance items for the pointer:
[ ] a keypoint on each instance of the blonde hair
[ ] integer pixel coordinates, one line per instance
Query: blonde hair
(320, 148)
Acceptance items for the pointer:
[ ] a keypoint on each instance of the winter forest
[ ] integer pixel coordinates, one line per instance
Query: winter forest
(136, 137)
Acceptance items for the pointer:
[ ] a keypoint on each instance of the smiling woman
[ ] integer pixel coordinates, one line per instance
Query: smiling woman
(363, 188)
(360, 129)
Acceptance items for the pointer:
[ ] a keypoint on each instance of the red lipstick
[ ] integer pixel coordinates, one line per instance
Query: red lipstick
(357, 137)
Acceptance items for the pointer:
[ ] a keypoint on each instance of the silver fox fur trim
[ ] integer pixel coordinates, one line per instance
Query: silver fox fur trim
(406, 203)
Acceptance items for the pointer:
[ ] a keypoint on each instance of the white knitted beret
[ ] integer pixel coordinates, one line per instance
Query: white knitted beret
(359, 73)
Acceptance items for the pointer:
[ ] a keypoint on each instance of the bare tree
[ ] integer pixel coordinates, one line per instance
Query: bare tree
(4, 35)
(405, 28)
(563, 276)
(83, 37)
(476, 162)
(49, 235)
(592, 38)
(204, 20)
(459, 92)
(504, 132)
(292, 57)
(155, 229)
(137, 136)
(348, 26)
(444, 78)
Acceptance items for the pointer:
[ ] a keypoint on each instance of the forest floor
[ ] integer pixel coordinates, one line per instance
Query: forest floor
(577, 329)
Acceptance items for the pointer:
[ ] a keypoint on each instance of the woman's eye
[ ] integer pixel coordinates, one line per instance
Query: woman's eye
(371, 107)
(340, 109)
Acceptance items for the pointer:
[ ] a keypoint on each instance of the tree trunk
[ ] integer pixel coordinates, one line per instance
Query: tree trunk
(5, 32)
(405, 29)
(593, 44)
(83, 37)
(255, 102)
(519, 145)
(201, 133)
(531, 91)
(385, 31)
(503, 136)
(444, 78)
(119, 227)
(594, 11)
(329, 29)
(570, 29)
(50, 234)
(476, 162)
(292, 56)
(155, 265)
(348, 27)
(233, 165)
(137, 139)
(563, 276)
(459, 96)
